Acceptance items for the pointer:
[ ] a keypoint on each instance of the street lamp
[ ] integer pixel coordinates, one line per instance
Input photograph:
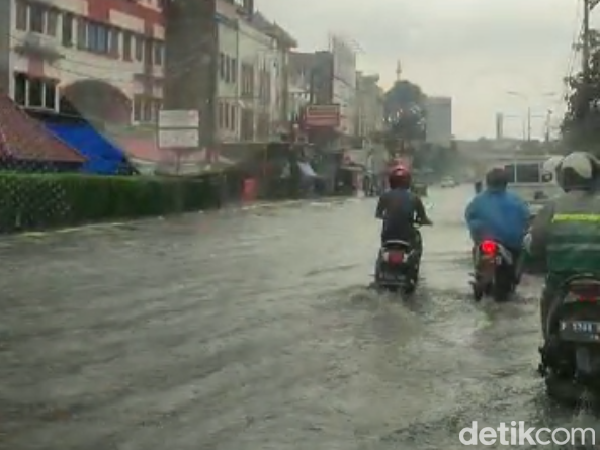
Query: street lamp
(526, 98)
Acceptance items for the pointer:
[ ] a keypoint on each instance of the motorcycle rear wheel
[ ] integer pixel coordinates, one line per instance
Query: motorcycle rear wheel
(502, 287)
(562, 390)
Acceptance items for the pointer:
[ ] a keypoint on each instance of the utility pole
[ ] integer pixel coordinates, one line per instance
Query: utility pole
(528, 123)
(585, 38)
(547, 126)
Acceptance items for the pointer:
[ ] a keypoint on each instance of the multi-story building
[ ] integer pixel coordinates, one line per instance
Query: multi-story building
(252, 86)
(369, 105)
(299, 87)
(105, 58)
(344, 83)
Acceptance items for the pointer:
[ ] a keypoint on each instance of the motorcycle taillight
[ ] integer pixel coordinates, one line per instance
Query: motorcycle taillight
(586, 292)
(394, 257)
(488, 247)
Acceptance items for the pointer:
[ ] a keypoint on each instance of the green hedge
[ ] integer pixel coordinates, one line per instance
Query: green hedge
(42, 201)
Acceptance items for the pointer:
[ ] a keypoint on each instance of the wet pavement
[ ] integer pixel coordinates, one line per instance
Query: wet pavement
(255, 330)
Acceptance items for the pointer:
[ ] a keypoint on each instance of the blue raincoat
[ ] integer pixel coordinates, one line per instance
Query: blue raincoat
(499, 215)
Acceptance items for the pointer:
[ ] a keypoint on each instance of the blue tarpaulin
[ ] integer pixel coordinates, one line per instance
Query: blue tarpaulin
(102, 156)
(307, 170)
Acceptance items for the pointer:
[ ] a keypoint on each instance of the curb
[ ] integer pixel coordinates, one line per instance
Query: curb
(105, 226)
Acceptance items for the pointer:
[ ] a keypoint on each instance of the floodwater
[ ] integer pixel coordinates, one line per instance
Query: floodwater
(255, 330)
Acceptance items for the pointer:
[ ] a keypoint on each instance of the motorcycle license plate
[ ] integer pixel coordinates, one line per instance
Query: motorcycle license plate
(580, 331)
(495, 260)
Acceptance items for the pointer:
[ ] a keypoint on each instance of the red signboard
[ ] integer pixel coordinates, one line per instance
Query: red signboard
(322, 115)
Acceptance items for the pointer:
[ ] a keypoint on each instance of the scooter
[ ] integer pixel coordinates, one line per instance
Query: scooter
(570, 354)
(397, 267)
(494, 274)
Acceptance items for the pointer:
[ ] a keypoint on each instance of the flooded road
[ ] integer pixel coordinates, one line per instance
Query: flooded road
(254, 330)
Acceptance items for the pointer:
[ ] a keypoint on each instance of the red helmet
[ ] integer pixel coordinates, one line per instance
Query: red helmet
(400, 177)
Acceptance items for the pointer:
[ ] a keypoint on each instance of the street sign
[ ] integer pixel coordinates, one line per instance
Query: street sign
(322, 115)
(175, 118)
(178, 129)
(178, 138)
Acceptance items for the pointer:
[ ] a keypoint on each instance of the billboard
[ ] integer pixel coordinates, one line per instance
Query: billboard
(438, 113)
(344, 81)
(322, 116)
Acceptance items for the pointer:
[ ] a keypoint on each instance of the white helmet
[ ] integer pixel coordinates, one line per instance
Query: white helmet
(578, 170)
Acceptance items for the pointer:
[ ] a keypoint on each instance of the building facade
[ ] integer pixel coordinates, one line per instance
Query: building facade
(104, 58)
(344, 83)
(369, 106)
(252, 86)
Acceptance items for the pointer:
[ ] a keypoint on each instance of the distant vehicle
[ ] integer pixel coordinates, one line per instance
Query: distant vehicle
(448, 182)
(420, 189)
(532, 177)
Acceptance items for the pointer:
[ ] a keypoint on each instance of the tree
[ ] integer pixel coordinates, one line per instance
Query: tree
(404, 111)
(581, 124)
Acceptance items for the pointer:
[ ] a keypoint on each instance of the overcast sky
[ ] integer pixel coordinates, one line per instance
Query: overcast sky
(472, 50)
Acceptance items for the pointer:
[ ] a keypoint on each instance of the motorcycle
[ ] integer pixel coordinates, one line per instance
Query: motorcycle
(570, 355)
(398, 264)
(495, 270)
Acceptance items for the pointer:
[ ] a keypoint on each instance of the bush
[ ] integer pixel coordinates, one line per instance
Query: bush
(41, 201)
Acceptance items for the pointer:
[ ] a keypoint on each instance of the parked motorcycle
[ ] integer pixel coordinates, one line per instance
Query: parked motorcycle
(495, 269)
(570, 355)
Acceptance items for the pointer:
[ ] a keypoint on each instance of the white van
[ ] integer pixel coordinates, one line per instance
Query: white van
(533, 178)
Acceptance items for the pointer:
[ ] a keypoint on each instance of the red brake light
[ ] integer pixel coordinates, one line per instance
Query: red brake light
(396, 257)
(489, 247)
(586, 293)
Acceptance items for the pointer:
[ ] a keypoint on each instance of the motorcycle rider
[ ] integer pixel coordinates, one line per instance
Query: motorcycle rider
(400, 209)
(499, 215)
(565, 233)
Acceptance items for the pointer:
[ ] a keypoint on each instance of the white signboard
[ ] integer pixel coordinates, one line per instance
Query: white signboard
(175, 118)
(178, 138)
(178, 129)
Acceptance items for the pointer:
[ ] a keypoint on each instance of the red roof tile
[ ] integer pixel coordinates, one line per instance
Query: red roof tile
(23, 138)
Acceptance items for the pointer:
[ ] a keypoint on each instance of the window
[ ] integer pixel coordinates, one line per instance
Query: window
(127, 41)
(36, 18)
(159, 49)
(114, 42)
(35, 90)
(247, 79)
(50, 95)
(97, 38)
(52, 22)
(67, 30)
(528, 173)
(137, 108)
(222, 65)
(20, 96)
(226, 113)
(227, 69)
(232, 119)
(21, 16)
(147, 110)
(139, 48)
(221, 115)
(234, 70)
(81, 34)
